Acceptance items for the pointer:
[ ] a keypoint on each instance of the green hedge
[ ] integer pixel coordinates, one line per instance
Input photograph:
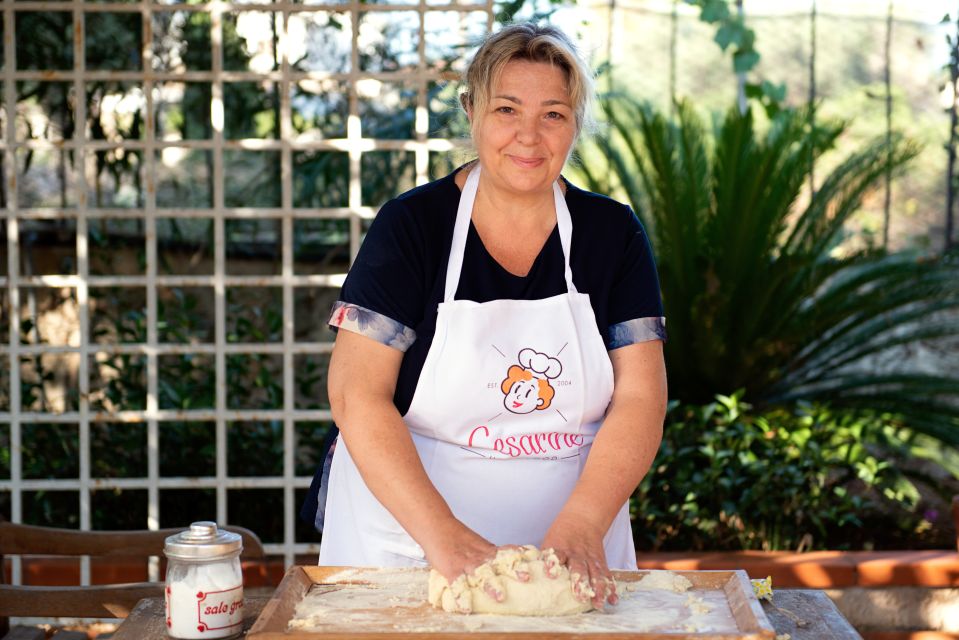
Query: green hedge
(729, 478)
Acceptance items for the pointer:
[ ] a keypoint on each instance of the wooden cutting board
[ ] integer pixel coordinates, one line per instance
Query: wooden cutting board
(368, 603)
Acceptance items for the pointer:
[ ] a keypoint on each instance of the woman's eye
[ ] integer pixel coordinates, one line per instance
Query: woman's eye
(505, 109)
(555, 115)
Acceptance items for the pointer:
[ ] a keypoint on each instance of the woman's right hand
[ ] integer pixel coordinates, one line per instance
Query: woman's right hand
(455, 550)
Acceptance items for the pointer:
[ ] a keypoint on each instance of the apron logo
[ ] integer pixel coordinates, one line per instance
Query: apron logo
(526, 387)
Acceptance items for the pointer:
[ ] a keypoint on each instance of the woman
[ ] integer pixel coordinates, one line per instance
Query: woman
(498, 375)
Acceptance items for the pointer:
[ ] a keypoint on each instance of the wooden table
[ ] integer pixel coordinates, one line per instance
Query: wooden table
(823, 620)
(147, 621)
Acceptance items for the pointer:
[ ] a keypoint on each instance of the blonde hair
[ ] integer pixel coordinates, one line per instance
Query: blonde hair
(517, 374)
(533, 43)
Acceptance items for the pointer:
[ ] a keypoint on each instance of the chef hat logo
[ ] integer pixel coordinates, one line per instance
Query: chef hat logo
(527, 385)
(540, 364)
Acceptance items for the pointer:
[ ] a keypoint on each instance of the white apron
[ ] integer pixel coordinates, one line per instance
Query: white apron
(510, 397)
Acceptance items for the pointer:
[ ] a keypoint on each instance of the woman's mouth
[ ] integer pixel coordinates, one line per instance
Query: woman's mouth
(526, 163)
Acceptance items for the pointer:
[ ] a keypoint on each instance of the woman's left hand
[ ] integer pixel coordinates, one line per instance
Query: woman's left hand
(579, 546)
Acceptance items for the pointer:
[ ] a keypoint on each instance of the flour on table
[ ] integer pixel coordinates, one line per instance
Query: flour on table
(533, 583)
(664, 581)
(696, 605)
(395, 600)
(472, 624)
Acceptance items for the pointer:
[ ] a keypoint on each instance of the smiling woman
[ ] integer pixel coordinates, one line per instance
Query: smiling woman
(474, 355)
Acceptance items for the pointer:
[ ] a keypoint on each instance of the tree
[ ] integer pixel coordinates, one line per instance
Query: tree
(758, 293)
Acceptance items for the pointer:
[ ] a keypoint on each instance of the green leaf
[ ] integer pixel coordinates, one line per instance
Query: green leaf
(775, 92)
(744, 61)
(714, 10)
(729, 33)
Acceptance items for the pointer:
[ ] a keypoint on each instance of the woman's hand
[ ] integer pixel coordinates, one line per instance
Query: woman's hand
(579, 546)
(454, 550)
(620, 456)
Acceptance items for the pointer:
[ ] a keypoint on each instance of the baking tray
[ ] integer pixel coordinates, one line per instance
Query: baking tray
(745, 619)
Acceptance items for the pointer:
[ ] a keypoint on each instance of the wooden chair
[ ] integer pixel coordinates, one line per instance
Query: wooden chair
(95, 601)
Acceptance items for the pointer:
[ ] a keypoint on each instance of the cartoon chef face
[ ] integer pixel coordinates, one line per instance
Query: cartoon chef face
(523, 395)
(527, 386)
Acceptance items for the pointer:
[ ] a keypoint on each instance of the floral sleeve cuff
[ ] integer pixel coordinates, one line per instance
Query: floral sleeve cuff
(371, 324)
(636, 330)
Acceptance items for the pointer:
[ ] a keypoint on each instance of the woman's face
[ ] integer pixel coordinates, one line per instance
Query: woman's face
(527, 129)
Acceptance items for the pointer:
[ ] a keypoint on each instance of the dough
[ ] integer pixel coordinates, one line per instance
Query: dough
(665, 581)
(541, 595)
(697, 606)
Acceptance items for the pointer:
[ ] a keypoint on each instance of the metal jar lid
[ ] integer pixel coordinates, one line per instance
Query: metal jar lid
(202, 541)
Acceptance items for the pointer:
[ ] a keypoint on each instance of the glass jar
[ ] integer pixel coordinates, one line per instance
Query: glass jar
(204, 583)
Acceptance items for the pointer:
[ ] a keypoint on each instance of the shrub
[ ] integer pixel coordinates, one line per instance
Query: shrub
(807, 477)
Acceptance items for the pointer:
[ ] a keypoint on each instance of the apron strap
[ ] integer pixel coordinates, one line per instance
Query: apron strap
(464, 212)
(565, 223)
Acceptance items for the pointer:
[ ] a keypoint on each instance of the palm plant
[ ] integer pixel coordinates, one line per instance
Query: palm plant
(757, 295)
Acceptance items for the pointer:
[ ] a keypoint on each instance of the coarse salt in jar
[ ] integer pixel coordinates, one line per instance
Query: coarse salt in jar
(204, 583)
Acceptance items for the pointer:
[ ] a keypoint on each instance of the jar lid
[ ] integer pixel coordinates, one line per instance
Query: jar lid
(202, 541)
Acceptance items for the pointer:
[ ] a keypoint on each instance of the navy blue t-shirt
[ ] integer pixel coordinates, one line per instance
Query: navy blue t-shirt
(397, 281)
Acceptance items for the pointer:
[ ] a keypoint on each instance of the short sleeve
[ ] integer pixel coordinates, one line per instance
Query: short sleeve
(635, 302)
(383, 295)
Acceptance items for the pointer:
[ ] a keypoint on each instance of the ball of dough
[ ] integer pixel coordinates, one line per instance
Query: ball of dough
(540, 595)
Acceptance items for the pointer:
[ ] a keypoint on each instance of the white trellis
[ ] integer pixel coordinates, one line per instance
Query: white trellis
(452, 23)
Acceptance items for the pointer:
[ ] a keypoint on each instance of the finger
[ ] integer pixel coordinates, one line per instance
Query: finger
(519, 571)
(582, 589)
(603, 585)
(552, 561)
(613, 597)
(493, 587)
(599, 585)
(462, 598)
(516, 566)
(579, 578)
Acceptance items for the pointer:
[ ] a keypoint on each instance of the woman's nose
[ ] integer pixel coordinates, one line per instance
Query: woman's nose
(528, 131)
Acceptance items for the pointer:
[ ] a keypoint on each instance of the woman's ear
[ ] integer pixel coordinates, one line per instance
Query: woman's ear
(466, 101)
